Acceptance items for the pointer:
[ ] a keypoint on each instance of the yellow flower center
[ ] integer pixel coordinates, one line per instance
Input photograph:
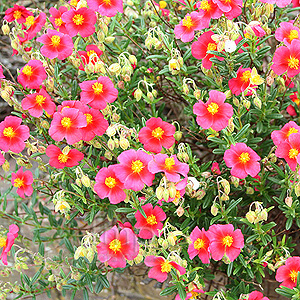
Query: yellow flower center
(227, 240)
(162, 4)
(63, 158)
(78, 19)
(40, 99)
(205, 5)
(166, 267)
(151, 220)
(27, 70)
(9, 132)
(98, 88)
(18, 182)
(293, 153)
(169, 163)
(246, 76)
(30, 20)
(17, 14)
(107, 2)
(115, 245)
(66, 122)
(89, 53)
(199, 244)
(157, 133)
(187, 22)
(211, 47)
(291, 130)
(173, 65)
(297, 101)
(194, 295)
(293, 63)
(294, 275)
(89, 118)
(293, 35)
(55, 40)
(2, 242)
(244, 157)
(74, 2)
(213, 108)
(110, 182)
(137, 166)
(227, 1)
(58, 22)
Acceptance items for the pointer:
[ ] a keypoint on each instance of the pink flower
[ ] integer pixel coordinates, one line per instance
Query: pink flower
(286, 33)
(199, 245)
(37, 102)
(32, 75)
(109, 185)
(97, 93)
(282, 135)
(59, 159)
(150, 225)
(208, 10)
(288, 273)
(56, 44)
(13, 135)
(114, 247)
(257, 29)
(193, 294)
(56, 20)
(214, 113)
(8, 242)
(231, 8)
(108, 8)
(35, 25)
(215, 168)
(224, 240)
(22, 181)
(161, 267)
(91, 55)
(2, 159)
(1, 73)
(185, 30)
(133, 169)
(243, 161)
(241, 82)
(157, 134)
(80, 21)
(67, 124)
(18, 13)
(280, 3)
(257, 296)
(291, 108)
(171, 166)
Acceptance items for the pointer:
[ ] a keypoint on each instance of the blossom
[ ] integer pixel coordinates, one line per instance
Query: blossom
(35, 25)
(288, 273)
(22, 181)
(1, 73)
(161, 267)
(8, 242)
(291, 109)
(32, 75)
(280, 3)
(56, 19)
(109, 185)
(13, 135)
(241, 82)
(231, 8)
(66, 158)
(215, 168)
(18, 13)
(80, 21)
(67, 124)
(150, 225)
(185, 30)
(254, 28)
(289, 150)
(91, 55)
(162, 6)
(193, 294)
(202, 45)
(108, 8)
(208, 10)
(115, 247)
(287, 32)
(157, 134)
(224, 240)
(282, 135)
(243, 161)
(199, 245)
(56, 44)
(97, 93)
(257, 296)
(133, 169)
(171, 166)
(2, 159)
(214, 113)
(37, 102)
(287, 59)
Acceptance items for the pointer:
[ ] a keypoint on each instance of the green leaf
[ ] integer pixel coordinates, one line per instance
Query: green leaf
(168, 291)
(69, 245)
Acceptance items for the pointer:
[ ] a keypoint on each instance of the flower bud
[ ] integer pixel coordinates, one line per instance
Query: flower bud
(172, 191)
(289, 201)
(224, 197)
(5, 29)
(197, 94)
(159, 192)
(180, 211)
(124, 143)
(111, 144)
(249, 190)
(263, 215)
(251, 216)
(78, 182)
(178, 135)
(225, 184)
(214, 210)
(5, 166)
(257, 102)
(109, 39)
(138, 94)
(247, 104)
(185, 89)
(165, 244)
(132, 59)
(166, 194)
(115, 69)
(150, 96)
(85, 181)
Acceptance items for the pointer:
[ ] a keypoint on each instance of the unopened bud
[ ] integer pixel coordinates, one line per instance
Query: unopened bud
(109, 39)
(197, 94)
(178, 135)
(214, 210)
(166, 194)
(225, 184)
(85, 181)
(78, 182)
(5, 29)
(249, 190)
(124, 143)
(180, 211)
(159, 192)
(115, 69)
(289, 201)
(297, 189)
(165, 244)
(172, 191)
(251, 216)
(138, 94)
(5, 166)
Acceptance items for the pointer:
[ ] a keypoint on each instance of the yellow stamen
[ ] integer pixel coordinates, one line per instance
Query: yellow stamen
(162, 4)
(74, 2)
(27, 70)
(78, 19)
(227, 240)
(187, 22)
(205, 5)
(246, 76)
(169, 163)
(89, 53)
(9, 132)
(244, 157)
(293, 63)
(199, 244)
(110, 182)
(157, 133)
(166, 267)
(151, 220)
(66, 122)
(98, 88)
(211, 47)
(293, 35)
(18, 182)
(30, 20)
(107, 2)
(17, 14)
(294, 275)
(115, 245)
(89, 118)
(58, 22)
(293, 153)
(55, 40)
(63, 158)
(2, 242)
(40, 99)
(213, 108)
(137, 166)
(291, 130)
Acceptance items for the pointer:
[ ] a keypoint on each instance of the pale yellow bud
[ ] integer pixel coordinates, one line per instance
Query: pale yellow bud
(85, 181)
(178, 135)
(172, 191)
(138, 94)
(288, 201)
(251, 216)
(180, 211)
(225, 184)
(5, 29)
(124, 143)
(159, 192)
(214, 210)
(115, 69)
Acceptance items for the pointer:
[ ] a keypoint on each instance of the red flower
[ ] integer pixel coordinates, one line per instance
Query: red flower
(291, 109)
(37, 102)
(257, 296)
(56, 19)
(13, 135)
(150, 225)
(241, 82)
(1, 73)
(80, 21)
(35, 25)
(243, 160)
(161, 267)
(215, 168)
(282, 135)
(231, 8)
(214, 113)
(18, 13)
(32, 75)
(108, 8)
(157, 134)
(97, 93)
(224, 240)
(115, 247)
(56, 44)
(22, 181)
(91, 55)
(288, 273)
(2, 159)
(8, 242)
(286, 33)
(66, 158)
(202, 45)
(109, 185)
(208, 10)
